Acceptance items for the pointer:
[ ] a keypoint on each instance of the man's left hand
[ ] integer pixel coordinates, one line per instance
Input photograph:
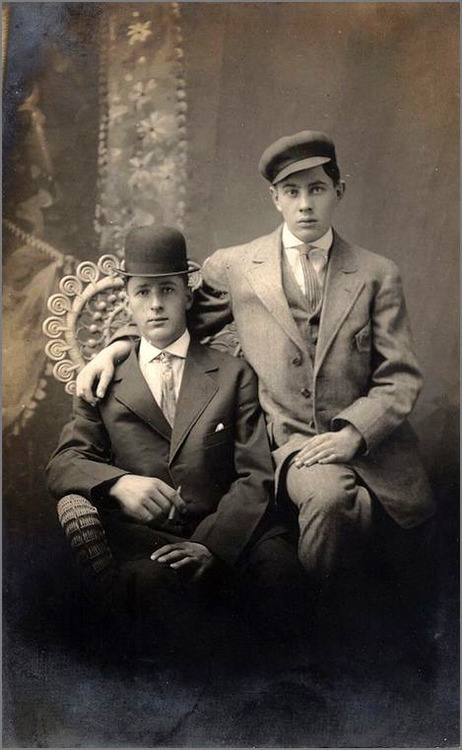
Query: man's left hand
(185, 554)
(330, 448)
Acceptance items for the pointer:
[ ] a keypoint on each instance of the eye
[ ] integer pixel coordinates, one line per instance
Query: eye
(318, 189)
(142, 293)
(291, 192)
(167, 289)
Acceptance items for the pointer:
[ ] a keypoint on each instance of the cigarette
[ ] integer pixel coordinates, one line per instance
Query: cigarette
(172, 510)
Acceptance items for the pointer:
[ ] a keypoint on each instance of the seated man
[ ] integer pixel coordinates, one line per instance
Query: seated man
(176, 456)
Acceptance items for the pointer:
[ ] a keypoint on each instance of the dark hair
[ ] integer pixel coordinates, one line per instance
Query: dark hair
(331, 169)
(185, 277)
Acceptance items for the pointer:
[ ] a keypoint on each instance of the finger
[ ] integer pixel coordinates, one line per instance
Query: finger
(105, 379)
(173, 497)
(143, 515)
(83, 390)
(182, 563)
(171, 513)
(161, 501)
(180, 500)
(165, 549)
(315, 442)
(318, 456)
(332, 458)
(154, 509)
(173, 556)
(306, 455)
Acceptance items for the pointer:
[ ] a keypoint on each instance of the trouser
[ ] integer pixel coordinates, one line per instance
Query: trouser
(339, 520)
(267, 587)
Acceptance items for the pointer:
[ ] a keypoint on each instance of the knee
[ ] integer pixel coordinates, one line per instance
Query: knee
(273, 566)
(328, 490)
(147, 582)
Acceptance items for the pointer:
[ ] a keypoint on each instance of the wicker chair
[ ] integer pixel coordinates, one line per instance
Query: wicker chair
(88, 309)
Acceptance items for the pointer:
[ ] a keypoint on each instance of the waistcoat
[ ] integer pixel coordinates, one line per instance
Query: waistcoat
(307, 324)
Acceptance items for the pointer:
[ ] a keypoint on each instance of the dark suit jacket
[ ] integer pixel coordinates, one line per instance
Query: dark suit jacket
(365, 371)
(226, 476)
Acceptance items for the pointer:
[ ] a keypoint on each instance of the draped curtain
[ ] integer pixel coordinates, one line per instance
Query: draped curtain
(134, 158)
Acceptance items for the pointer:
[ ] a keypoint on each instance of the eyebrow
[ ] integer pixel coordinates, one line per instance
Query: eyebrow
(309, 184)
(160, 282)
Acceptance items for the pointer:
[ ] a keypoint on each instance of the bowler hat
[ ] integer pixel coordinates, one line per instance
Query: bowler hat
(293, 153)
(156, 250)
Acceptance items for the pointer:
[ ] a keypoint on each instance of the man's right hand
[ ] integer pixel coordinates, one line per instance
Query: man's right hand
(100, 371)
(146, 499)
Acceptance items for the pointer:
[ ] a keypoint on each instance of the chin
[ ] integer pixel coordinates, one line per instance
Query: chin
(309, 235)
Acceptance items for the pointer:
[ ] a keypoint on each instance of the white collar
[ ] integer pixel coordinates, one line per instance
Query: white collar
(323, 243)
(179, 348)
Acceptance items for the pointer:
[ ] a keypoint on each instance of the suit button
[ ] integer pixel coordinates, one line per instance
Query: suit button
(297, 361)
(305, 392)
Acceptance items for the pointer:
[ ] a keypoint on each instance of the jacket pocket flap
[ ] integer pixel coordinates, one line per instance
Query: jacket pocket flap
(363, 337)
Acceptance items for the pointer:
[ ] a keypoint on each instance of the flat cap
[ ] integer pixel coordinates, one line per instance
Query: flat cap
(293, 153)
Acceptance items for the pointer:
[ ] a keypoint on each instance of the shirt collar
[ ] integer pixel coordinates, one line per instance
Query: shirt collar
(178, 348)
(323, 243)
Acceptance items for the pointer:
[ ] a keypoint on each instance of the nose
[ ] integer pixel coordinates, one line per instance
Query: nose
(305, 203)
(156, 301)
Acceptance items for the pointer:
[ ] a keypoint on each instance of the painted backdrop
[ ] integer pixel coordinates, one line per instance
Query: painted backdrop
(120, 113)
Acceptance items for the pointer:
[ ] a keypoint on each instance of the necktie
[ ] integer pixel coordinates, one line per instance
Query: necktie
(168, 397)
(313, 290)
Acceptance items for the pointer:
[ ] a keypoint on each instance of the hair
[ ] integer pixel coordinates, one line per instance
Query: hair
(184, 276)
(332, 170)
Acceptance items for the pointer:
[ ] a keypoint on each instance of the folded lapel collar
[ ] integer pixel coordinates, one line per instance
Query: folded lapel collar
(197, 390)
(265, 275)
(132, 390)
(341, 290)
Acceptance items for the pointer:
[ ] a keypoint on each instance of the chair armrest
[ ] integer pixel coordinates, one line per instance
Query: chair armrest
(82, 526)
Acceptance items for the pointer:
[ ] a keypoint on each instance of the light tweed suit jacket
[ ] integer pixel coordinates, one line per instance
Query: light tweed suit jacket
(365, 371)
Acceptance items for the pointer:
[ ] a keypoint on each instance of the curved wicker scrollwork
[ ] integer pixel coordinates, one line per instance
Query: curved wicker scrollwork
(87, 310)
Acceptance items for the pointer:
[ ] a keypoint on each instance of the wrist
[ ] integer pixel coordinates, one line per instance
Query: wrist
(116, 486)
(354, 436)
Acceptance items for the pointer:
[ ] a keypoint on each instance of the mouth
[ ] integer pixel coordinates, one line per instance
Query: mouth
(157, 321)
(307, 222)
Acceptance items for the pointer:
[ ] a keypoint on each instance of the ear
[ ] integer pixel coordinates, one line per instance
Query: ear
(275, 196)
(126, 302)
(189, 294)
(340, 189)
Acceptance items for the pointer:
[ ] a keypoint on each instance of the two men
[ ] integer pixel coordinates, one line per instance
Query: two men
(323, 323)
(176, 456)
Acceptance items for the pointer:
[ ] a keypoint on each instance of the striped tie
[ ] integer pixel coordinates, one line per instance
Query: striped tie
(168, 397)
(313, 289)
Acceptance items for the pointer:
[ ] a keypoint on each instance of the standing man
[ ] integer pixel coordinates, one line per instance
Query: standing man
(323, 323)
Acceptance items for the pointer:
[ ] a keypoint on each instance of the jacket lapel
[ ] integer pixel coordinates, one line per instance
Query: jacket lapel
(132, 390)
(342, 288)
(265, 275)
(197, 390)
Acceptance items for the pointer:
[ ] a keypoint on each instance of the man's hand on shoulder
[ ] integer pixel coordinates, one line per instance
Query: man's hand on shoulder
(330, 447)
(192, 555)
(146, 498)
(100, 371)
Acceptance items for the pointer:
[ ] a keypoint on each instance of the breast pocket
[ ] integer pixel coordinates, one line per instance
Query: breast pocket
(219, 437)
(363, 338)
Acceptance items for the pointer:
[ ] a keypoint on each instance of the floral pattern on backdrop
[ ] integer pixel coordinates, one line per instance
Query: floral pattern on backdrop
(142, 140)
